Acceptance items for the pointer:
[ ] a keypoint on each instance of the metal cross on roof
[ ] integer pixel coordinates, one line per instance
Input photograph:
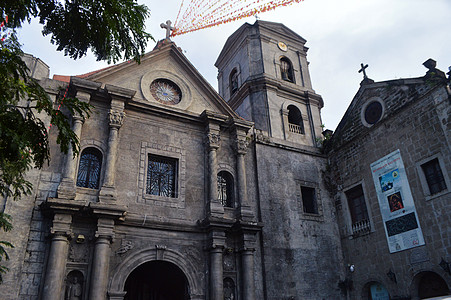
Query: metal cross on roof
(363, 70)
(168, 28)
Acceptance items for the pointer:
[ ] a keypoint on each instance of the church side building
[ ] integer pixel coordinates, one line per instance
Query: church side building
(390, 158)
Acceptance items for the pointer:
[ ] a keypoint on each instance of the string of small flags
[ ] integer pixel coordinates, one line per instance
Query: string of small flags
(200, 14)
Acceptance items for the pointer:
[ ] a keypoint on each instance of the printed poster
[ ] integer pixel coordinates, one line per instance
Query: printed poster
(399, 215)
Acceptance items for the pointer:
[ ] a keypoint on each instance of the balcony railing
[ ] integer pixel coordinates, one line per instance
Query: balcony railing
(361, 227)
(295, 128)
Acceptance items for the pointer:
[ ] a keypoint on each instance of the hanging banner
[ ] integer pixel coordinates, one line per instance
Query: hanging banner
(399, 215)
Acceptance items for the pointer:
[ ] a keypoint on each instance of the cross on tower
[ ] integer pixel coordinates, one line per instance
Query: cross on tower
(168, 28)
(363, 70)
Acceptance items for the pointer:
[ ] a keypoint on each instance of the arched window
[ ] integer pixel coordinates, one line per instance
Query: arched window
(233, 82)
(225, 189)
(295, 122)
(89, 168)
(286, 69)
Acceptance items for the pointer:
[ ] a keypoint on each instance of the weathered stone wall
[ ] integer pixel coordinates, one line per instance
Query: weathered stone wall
(302, 252)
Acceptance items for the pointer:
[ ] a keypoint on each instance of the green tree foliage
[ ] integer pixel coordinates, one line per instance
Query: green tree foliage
(112, 29)
(5, 225)
(23, 135)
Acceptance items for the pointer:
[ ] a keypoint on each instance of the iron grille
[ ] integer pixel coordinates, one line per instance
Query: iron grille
(89, 169)
(161, 176)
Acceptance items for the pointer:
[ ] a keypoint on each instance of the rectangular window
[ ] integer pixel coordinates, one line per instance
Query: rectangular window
(434, 176)
(357, 207)
(309, 200)
(161, 176)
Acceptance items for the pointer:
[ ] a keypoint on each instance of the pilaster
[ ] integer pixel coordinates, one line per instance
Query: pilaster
(212, 142)
(240, 129)
(216, 247)
(84, 90)
(55, 272)
(247, 261)
(116, 117)
(101, 258)
(66, 189)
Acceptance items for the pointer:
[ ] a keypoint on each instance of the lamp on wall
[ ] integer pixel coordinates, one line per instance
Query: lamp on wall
(347, 284)
(392, 276)
(445, 266)
(80, 239)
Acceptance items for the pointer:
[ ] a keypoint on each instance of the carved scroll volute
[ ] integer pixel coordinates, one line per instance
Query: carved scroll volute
(116, 118)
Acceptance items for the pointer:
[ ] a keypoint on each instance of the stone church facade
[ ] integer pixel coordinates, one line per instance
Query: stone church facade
(180, 192)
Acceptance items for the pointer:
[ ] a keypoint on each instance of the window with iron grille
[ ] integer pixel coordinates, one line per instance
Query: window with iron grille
(309, 200)
(357, 205)
(89, 168)
(434, 176)
(161, 176)
(225, 189)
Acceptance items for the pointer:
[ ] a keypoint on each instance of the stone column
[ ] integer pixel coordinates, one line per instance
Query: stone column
(101, 259)
(217, 241)
(213, 123)
(216, 274)
(108, 190)
(241, 145)
(66, 189)
(247, 264)
(56, 265)
(247, 260)
(116, 116)
(213, 138)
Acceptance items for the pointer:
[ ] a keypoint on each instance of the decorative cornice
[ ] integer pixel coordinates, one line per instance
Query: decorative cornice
(119, 92)
(84, 84)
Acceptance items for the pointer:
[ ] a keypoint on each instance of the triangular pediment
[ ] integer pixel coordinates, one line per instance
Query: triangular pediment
(166, 64)
(374, 103)
(279, 29)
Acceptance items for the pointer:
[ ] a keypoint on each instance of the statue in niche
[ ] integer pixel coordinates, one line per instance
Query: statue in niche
(229, 289)
(74, 289)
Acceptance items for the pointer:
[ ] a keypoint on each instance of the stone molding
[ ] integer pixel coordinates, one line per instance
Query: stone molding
(192, 272)
(119, 92)
(166, 151)
(105, 229)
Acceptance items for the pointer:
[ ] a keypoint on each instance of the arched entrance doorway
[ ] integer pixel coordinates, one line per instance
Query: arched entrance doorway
(430, 285)
(374, 290)
(157, 280)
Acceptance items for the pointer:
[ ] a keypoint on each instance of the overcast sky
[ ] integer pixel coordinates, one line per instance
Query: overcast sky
(393, 36)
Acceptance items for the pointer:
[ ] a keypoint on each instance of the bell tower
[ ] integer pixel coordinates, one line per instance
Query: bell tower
(263, 74)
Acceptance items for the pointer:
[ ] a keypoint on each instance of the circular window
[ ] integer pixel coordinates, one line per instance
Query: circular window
(373, 112)
(165, 91)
